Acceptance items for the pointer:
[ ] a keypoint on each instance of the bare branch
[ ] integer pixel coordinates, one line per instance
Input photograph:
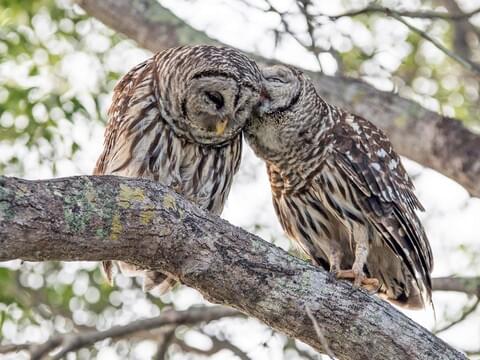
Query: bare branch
(73, 342)
(319, 332)
(468, 285)
(470, 65)
(421, 14)
(398, 15)
(9, 348)
(424, 136)
(164, 344)
(465, 313)
(217, 346)
(99, 218)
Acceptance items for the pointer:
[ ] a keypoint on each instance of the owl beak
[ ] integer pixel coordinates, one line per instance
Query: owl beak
(221, 126)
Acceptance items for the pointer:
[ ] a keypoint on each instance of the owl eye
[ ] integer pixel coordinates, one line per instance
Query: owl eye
(216, 98)
(276, 79)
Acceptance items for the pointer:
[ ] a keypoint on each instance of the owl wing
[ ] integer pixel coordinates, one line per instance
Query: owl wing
(126, 95)
(385, 192)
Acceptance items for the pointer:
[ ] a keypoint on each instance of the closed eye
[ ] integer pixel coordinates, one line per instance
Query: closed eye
(276, 79)
(216, 98)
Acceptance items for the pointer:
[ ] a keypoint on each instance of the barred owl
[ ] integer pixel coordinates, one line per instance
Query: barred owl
(340, 190)
(177, 118)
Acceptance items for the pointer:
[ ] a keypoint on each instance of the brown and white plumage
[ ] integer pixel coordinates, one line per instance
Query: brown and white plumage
(176, 118)
(340, 190)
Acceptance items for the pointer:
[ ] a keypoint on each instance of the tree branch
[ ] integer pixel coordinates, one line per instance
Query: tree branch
(217, 346)
(421, 14)
(146, 224)
(73, 342)
(468, 285)
(468, 64)
(424, 136)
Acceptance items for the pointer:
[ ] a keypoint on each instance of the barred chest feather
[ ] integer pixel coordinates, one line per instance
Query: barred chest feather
(202, 174)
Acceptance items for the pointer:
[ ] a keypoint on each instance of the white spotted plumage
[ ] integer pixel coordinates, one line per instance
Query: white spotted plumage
(340, 190)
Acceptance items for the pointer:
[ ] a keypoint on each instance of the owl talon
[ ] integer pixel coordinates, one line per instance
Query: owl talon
(359, 280)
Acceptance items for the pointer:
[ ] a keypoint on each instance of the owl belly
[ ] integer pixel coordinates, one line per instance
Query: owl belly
(322, 219)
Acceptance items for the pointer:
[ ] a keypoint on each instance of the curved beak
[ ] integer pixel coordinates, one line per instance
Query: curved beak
(221, 126)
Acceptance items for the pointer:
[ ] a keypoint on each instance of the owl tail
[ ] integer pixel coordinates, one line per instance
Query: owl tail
(107, 269)
(152, 280)
(413, 301)
(157, 282)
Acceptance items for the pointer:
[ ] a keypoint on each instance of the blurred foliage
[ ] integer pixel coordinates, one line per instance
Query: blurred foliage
(40, 42)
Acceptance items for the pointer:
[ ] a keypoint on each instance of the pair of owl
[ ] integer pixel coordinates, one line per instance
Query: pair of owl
(339, 190)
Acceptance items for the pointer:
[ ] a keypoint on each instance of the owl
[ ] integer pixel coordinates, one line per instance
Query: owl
(177, 119)
(340, 190)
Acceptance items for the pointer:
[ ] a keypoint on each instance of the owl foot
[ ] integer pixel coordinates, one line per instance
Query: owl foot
(359, 280)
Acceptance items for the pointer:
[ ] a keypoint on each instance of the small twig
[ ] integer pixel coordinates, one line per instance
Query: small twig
(465, 62)
(9, 348)
(411, 14)
(303, 6)
(319, 333)
(37, 352)
(164, 344)
(472, 352)
(217, 345)
(462, 317)
(398, 15)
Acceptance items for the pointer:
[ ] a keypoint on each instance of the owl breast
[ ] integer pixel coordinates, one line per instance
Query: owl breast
(202, 174)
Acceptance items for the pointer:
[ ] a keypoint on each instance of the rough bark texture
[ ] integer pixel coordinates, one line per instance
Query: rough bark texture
(144, 223)
(424, 136)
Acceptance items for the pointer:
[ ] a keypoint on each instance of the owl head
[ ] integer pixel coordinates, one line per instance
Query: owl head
(206, 93)
(283, 113)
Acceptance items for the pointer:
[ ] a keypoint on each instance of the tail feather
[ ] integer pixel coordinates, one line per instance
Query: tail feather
(152, 280)
(107, 270)
(397, 284)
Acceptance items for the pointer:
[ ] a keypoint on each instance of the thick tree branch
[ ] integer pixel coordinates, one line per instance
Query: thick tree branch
(433, 140)
(144, 223)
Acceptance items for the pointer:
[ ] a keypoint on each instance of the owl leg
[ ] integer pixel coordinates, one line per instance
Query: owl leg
(356, 273)
(335, 260)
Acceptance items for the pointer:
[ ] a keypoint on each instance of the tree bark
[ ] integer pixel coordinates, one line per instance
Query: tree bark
(145, 223)
(426, 137)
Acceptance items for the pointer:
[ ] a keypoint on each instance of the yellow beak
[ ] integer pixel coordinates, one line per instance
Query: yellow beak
(221, 126)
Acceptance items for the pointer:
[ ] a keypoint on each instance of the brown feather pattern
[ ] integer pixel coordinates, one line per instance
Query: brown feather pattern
(340, 190)
(149, 135)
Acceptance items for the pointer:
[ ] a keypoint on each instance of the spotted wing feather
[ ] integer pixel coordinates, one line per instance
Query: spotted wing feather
(385, 192)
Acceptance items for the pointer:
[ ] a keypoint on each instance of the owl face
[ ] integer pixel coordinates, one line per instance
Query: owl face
(283, 86)
(217, 107)
(207, 93)
(274, 124)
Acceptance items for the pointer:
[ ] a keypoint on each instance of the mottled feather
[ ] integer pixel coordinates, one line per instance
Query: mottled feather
(163, 127)
(340, 190)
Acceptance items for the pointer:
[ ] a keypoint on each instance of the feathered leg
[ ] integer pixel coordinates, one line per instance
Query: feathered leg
(356, 273)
